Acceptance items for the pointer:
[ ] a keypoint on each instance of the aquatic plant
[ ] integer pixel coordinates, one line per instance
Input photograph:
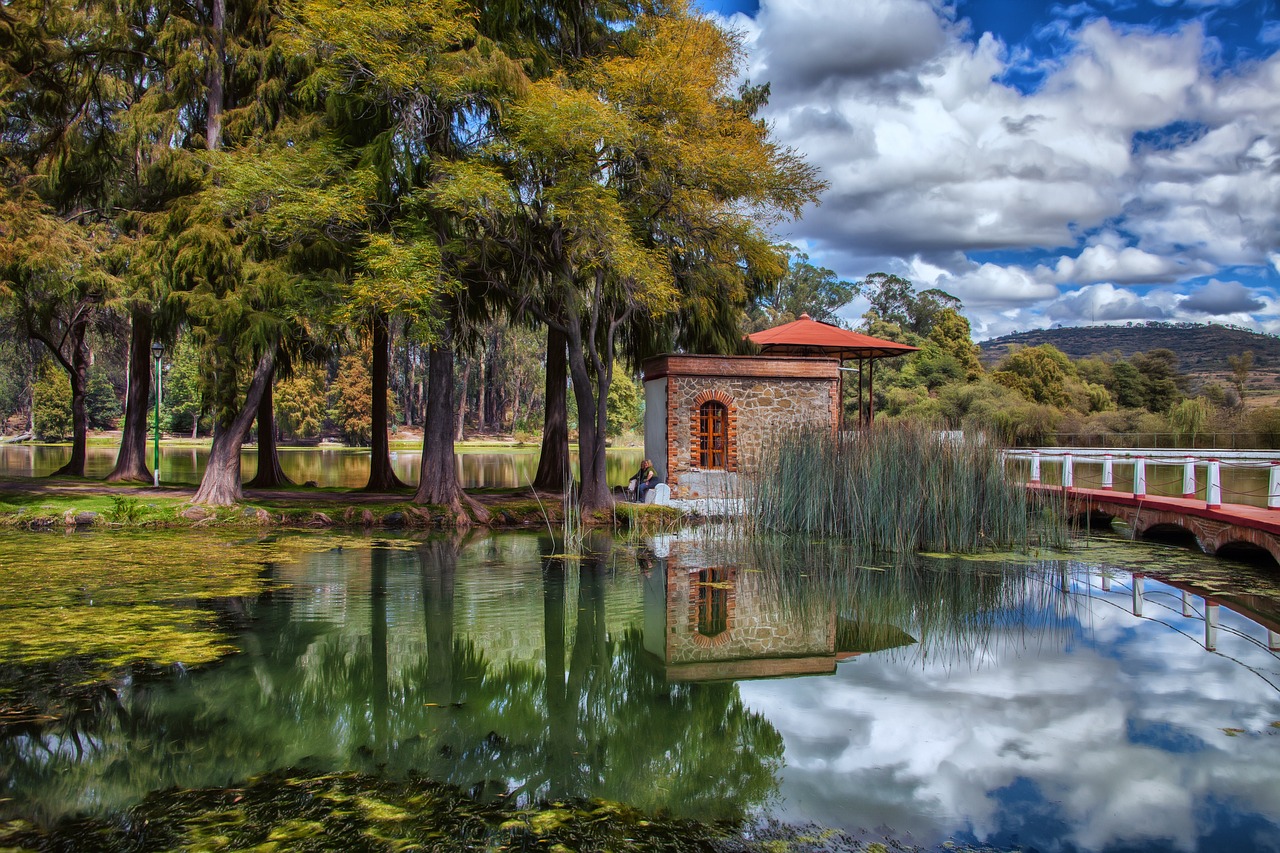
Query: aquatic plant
(897, 487)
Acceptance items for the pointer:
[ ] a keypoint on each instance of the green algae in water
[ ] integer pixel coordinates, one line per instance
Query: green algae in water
(125, 599)
(360, 812)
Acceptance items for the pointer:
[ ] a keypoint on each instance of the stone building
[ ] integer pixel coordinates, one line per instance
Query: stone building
(707, 417)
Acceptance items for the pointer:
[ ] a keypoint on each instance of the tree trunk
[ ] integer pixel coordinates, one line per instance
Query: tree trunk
(131, 461)
(78, 373)
(270, 475)
(438, 476)
(381, 476)
(437, 566)
(592, 418)
(482, 415)
(553, 461)
(220, 485)
(213, 118)
(462, 401)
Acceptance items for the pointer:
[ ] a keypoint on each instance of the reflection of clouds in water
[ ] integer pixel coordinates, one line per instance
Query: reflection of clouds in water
(1120, 735)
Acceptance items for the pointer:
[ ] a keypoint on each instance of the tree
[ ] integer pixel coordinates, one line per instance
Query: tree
(349, 398)
(950, 332)
(1241, 365)
(1040, 373)
(633, 191)
(1162, 383)
(180, 393)
(804, 289)
(51, 402)
(626, 403)
(300, 403)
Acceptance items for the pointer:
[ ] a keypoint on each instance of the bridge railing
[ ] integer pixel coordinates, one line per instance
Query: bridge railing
(1249, 478)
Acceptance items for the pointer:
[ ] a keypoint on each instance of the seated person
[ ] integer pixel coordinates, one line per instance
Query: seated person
(645, 479)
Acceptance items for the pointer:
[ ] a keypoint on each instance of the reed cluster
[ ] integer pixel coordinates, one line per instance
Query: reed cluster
(896, 487)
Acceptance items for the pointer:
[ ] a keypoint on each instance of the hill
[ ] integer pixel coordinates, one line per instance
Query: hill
(1202, 349)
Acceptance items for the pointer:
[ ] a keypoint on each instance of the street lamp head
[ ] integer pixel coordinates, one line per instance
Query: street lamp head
(157, 349)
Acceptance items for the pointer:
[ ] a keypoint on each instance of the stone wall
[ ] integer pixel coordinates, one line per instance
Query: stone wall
(758, 626)
(758, 407)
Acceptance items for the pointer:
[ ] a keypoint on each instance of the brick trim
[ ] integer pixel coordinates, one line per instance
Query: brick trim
(731, 427)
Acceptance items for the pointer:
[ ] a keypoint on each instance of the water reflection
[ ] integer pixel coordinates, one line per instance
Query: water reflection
(346, 467)
(983, 701)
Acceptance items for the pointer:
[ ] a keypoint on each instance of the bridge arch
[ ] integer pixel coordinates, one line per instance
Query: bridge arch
(1244, 542)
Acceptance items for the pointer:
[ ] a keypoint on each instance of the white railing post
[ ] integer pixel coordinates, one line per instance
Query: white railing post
(1273, 487)
(1035, 466)
(1210, 625)
(1068, 473)
(1213, 488)
(1189, 478)
(1139, 477)
(1108, 473)
(1137, 594)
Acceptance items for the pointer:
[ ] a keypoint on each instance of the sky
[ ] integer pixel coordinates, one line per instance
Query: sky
(1106, 161)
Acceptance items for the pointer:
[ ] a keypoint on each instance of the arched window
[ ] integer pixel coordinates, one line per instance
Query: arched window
(713, 435)
(713, 610)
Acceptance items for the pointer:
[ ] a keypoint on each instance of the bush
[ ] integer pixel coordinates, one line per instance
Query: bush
(51, 400)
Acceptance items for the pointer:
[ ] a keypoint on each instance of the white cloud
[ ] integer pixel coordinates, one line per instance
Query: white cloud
(1128, 265)
(932, 743)
(930, 154)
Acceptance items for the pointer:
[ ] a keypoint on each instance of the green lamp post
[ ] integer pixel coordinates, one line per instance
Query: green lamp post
(157, 350)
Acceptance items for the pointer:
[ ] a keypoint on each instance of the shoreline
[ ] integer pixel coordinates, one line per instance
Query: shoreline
(70, 504)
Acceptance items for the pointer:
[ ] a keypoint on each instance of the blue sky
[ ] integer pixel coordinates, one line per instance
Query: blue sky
(1106, 161)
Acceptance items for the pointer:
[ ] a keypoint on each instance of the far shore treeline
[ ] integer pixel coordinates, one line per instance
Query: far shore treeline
(340, 216)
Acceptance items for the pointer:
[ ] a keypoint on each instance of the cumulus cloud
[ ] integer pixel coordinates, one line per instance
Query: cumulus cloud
(1136, 160)
(935, 744)
(1106, 303)
(1128, 265)
(1222, 297)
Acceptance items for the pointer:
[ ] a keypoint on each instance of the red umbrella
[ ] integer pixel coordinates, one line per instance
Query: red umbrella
(808, 336)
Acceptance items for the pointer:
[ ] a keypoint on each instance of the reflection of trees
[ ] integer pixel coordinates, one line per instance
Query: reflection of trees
(390, 694)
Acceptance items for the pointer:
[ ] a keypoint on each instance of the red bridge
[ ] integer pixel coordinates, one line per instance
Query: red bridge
(1228, 529)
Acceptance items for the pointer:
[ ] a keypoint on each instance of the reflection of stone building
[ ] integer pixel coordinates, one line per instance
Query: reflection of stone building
(707, 624)
(707, 417)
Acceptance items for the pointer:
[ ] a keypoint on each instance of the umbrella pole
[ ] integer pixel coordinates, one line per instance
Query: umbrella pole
(871, 391)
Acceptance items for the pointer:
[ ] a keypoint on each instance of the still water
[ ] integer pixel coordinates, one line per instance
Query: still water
(346, 467)
(1094, 700)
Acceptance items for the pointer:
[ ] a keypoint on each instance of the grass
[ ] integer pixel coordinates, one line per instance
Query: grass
(127, 508)
(896, 487)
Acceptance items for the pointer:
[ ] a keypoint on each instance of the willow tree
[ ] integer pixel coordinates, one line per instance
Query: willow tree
(633, 192)
(554, 37)
(58, 95)
(405, 87)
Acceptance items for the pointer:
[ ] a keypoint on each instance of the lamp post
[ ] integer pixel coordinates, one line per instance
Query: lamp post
(157, 350)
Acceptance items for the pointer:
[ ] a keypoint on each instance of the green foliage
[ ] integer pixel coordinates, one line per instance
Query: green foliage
(626, 402)
(51, 399)
(350, 398)
(102, 406)
(124, 510)
(300, 403)
(804, 289)
(894, 300)
(1039, 373)
(1190, 418)
(181, 395)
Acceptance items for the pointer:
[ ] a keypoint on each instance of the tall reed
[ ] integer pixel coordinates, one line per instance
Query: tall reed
(898, 487)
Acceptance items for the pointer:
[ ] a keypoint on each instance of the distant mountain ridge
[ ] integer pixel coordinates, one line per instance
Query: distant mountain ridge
(1201, 348)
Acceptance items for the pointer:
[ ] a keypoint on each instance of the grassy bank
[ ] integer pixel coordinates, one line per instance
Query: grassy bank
(140, 508)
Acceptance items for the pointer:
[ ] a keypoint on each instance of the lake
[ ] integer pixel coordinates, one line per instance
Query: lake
(326, 466)
(1093, 700)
